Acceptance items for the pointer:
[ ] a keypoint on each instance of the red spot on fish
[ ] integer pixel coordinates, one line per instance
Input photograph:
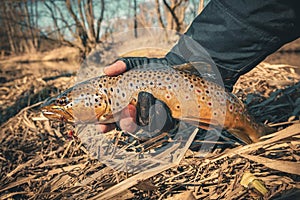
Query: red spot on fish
(241, 110)
(230, 107)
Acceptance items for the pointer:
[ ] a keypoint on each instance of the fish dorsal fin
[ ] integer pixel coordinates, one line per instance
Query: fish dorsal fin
(187, 67)
(201, 69)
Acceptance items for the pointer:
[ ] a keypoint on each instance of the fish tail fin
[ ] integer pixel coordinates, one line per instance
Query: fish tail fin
(251, 132)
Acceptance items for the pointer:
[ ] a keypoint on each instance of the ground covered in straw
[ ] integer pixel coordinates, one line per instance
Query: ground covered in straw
(40, 159)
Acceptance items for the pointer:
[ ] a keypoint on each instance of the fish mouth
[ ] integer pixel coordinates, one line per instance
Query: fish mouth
(58, 114)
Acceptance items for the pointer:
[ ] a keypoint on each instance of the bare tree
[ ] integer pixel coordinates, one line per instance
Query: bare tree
(82, 27)
(20, 29)
(159, 16)
(201, 6)
(135, 18)
(175, 11)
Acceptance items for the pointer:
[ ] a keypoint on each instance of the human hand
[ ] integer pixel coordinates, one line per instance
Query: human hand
(150, 113)
(128, 115)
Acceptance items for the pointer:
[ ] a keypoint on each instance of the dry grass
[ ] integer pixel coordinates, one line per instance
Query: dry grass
(39, 160)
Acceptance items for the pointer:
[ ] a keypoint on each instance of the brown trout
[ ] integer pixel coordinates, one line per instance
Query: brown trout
(189, 97)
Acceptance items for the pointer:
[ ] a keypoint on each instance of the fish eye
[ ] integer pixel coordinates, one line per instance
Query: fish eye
(62, 101)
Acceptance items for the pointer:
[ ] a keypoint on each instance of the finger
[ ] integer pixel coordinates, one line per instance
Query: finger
(103, 128)
(128, 119)
(128, 124)
(129, 111)
(115, 69)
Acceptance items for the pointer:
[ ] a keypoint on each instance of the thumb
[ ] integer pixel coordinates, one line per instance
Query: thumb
(115, 69)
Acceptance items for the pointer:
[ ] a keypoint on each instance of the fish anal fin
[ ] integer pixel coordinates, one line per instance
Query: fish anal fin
(206, 124)
(240, 134)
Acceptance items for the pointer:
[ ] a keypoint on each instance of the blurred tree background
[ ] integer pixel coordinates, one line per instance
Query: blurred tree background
(29, 26)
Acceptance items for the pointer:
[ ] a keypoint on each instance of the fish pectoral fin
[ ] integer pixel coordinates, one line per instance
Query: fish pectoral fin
(241, 135)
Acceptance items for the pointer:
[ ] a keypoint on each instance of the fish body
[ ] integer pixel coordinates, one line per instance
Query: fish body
(189, 97)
